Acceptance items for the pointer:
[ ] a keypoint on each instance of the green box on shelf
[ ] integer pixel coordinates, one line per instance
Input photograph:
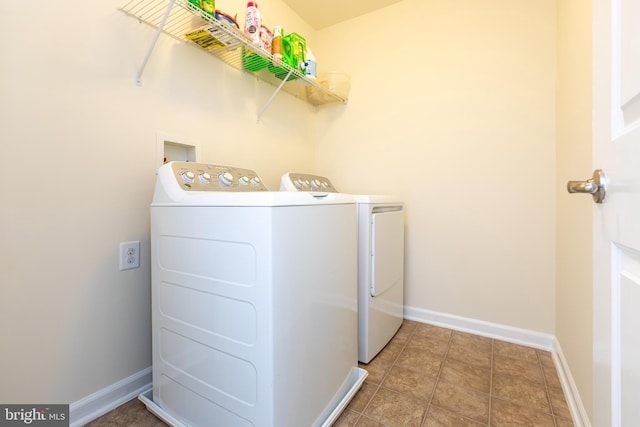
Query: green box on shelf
(281, 72)
(253, 61)
(294, 52)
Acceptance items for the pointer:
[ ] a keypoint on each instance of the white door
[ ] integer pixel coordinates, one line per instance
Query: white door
(616, 133)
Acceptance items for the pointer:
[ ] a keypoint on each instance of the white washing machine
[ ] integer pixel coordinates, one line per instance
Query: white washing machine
(380, 261)
(254, 302)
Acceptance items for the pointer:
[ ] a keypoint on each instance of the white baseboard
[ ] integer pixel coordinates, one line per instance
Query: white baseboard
(480, 327)
(99, 403)
(515, 335)
(578, 412)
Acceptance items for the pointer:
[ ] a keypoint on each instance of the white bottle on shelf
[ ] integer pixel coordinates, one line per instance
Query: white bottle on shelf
(252, 23)
(310, 65)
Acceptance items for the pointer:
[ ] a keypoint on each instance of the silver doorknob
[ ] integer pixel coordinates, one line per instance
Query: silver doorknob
(594, 186)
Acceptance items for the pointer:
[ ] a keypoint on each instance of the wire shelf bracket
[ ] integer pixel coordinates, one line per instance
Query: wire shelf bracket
(153, 42)
(266, 105)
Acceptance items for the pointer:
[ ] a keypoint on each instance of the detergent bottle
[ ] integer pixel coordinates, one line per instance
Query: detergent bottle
(310, 65)
(252, 23)
(276, 45)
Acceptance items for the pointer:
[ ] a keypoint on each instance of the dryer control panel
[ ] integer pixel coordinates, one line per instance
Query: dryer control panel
(206, 177)
(306, 182)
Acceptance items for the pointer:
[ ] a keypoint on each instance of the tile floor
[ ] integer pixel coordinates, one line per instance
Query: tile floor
(429, 376)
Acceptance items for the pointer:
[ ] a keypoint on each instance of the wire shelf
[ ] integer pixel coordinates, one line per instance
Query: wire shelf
(185, 22)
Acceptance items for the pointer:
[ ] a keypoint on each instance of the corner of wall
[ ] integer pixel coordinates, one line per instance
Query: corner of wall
(576, 407)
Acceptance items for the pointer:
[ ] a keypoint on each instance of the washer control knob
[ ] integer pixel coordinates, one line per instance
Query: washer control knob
(315, 184)
(255, 181)
(205, 178)
(226, 179)
(243, 180)
(188, 177)
(325, 184)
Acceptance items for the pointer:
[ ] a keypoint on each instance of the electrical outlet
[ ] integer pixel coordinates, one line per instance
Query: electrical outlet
(129, 255)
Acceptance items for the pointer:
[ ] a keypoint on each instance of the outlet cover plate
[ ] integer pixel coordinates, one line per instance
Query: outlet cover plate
(129, 255)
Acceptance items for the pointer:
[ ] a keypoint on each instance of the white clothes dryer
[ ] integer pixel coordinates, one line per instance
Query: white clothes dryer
(254, 301)
(380, 261)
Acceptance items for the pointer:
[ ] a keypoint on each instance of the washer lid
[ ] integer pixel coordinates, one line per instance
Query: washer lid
(258, 198)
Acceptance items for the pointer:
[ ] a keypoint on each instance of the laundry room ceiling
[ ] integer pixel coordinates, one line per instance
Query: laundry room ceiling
(321, 14)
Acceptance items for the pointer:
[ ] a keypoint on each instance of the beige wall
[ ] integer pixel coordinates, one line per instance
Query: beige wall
(78, 168)
(452, 107)
(575, 212)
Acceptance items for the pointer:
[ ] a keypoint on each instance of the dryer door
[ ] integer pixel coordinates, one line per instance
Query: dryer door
(387, 250)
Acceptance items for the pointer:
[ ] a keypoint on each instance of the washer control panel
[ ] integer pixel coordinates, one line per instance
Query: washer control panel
(206, 177)
(306, 182)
